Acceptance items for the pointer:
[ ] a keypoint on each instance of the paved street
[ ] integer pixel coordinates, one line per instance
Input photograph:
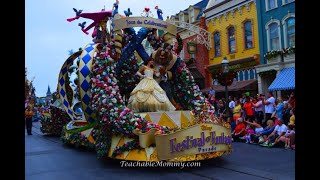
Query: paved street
(47, 158)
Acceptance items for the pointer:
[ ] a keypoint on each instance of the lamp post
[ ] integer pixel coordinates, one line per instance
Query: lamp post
(192, 48)
(225, 71)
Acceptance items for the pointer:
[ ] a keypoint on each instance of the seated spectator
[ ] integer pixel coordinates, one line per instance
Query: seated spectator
(275, 120)
(250, 131)
(257, 127)
(261, 136)
(279, 131)
(291, 140)
(239, 130)
(286, 138)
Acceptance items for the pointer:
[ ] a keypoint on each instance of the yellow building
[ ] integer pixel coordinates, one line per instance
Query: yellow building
(234, 28)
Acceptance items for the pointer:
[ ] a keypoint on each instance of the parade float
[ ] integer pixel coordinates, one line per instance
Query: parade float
(53, 119)
(95, 85)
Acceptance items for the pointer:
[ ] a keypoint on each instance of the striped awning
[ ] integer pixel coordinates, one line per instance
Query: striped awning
(284, 81)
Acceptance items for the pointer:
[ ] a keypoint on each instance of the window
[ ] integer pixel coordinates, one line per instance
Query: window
(217, 47)
(291, 35)
(181, 17)
(248, 35)
(246, 75)
(274, 36)
(191, 15)
(271, 4)
(287, 1)
(241, 76)
(231, 40)
(252, 74)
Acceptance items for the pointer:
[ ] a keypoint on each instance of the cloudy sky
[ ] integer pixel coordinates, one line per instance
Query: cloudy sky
(49, 36)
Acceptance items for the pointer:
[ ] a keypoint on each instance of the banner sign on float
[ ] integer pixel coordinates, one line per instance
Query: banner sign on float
(147, 22)
(201, 138)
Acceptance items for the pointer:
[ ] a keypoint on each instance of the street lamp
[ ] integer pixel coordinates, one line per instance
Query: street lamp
(191, 48)
(225, 71)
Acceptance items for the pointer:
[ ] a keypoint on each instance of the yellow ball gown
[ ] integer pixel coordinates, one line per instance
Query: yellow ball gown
(148, 96)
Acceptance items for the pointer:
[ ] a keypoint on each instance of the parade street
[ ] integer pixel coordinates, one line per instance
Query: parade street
(47, 158)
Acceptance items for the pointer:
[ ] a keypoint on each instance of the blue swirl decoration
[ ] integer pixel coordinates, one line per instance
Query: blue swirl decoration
(133, 45)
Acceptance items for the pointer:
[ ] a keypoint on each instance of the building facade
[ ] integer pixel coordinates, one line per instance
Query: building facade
(194, 53)
(276, 19)
(234, 29)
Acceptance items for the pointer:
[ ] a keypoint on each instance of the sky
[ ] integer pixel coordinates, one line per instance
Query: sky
(49, 36)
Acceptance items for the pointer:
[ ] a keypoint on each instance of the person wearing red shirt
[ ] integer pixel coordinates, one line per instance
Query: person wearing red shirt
(292, 100)
(248, 109)
(239, 131)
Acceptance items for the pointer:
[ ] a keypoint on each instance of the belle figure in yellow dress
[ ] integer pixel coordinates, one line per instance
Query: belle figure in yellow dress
(148, 96)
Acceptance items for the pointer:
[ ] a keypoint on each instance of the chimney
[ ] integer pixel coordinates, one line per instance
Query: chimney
(203, 22)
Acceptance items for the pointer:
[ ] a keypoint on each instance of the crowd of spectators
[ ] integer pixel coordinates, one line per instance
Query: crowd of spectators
(263, 120)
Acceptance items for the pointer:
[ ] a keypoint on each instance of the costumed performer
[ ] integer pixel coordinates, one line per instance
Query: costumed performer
(166, 63)
(148, 96)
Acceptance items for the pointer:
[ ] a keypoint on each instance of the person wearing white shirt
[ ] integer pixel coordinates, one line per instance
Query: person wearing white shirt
(277, 133)
(231, 105)
(269, 106)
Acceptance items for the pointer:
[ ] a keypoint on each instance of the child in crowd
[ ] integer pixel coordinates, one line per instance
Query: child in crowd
(250, 131)
(286, 138)
(289, 136)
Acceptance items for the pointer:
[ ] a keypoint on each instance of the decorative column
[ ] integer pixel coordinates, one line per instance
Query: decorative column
(259, 84)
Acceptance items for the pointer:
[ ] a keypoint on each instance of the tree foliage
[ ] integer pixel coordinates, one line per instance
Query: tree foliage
(26, 84)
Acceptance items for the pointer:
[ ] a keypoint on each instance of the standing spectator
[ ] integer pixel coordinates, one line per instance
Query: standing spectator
(231, 107)
(292, 117)
(221, 109)
(28, 118)
(243, 99)
(254, 99)
(279, 108)
(248, 110)
(269, 105)
(292, 100)
(286, 113)
(212, 92)
(237, 111)
(285, 99)
(212, 99)
(258, 109)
